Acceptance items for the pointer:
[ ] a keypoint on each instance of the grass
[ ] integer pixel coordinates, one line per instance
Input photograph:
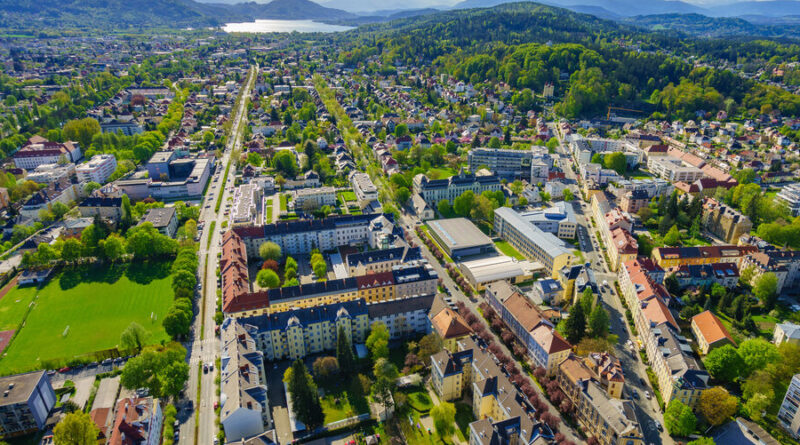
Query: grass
(420, 400)
(463, 419)
(222, 188)
(441, 172)
(283, 202)
(13, 308)
(269, 213)
(766, 324)
(348, 195)
(339, 404)
(97, 303)
(211, 228)
(508, 250)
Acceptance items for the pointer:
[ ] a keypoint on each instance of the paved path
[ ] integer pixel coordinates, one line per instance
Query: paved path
(283, 426)
(106, 393)
(83, 389)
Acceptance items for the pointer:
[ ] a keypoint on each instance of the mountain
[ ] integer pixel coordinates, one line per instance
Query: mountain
(114, 14)
(623, 8)
(704, 26)
(596, 11)
(773, 8)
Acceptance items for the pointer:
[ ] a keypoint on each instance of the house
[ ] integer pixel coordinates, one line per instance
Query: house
(447, 323)
(786, 332)
(26, 403)
(137, 421)
(710, 332)
(164, 219)
(109, 208)
(421, 208)
(547, 290)
(38, 150)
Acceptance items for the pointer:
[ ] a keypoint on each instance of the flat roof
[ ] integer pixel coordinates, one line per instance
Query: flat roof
(23, 385)
(458, 233)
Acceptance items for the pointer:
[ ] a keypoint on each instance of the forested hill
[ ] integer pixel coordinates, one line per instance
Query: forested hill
(594, 63)
(704, 26)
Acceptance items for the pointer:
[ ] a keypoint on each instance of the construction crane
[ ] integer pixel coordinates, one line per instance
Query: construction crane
(608, 115)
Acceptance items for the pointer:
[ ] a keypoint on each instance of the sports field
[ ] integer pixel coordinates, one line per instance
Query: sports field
(83, 310)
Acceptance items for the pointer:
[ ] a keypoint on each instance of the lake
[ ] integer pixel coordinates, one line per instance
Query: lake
(263, 26)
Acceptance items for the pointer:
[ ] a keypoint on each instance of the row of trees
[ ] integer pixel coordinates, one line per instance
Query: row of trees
(178, 320)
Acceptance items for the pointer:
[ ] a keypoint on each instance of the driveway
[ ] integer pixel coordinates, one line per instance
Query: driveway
(106, 393)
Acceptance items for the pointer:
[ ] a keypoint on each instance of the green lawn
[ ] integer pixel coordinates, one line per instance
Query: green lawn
(348, 195)
(441, 173)
(96, 303)
(463, 418)
(508, 250)
(283, 202)
(420, 400)
(339, 404)
(269, 213)
(13, 307)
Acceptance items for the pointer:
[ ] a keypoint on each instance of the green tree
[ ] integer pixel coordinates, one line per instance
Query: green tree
(766, 289)
(616, 161)
(757, 353)
(568, 195)
(702, 441)
(344, 350)
(326, 368)
(383, 368)
(724, 363)
(113, 247)
(285, 162)
(177, 321)
(59, 210)
(494, 142)
(151, 369)
(378, 340)
(463, 204)
(673, 236)
(127, 211)
(599, 322)
(90, 187)
(444, 208)
(303, 393)
(320, 269)
(270, 251)
(133, 337)
(444, 417)
(575, 325)
(76, 428)
(402, 195)
(382, 392)
(587, 300)
(268, 279)
(679, 419)
(717, 406)
(71, 250)
(81, 130)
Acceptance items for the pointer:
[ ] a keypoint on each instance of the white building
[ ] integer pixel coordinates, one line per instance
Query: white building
(98, 169)
(321, 196)
(363, 187)
(674, 170)
(788, 417)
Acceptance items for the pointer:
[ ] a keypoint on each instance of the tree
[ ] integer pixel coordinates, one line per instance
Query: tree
(616, 161)
(127, 210)
(269, 251)
(757, 353)
(378, 340)
(326, 368)
(383, 368)
(320, 269)
(76, 428)
(444, 417)
(402, 196)
(152, 370)
(268, 279)
(444, 208)
(587, 300)
(758, 404)
(568, 195)
(702, 441)
(766, 289)
(382, 392)
(304, 396)
(134, 336)
(344, 350)
(71, 250)
(716, 405)
(575, 325)
(59, 210)
(178, 321)
(285, 162)
(599, 321)
(672, 237)
(113, 247)
(81, 130)
(679, 419)
(724, 363)
(428, 346)
(463, 204)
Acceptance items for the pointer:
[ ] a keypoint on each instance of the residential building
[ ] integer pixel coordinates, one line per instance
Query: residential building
(449, 372)
(558, 219)
(677, 256)
(50, 173)
(314, 198)
(531, 241)
(678, 372)
(743, 432)
(724, 222)
(459, 237)
(632, 201)
(506, 163)
(547, 290)
(73, 227)
(537, 333)
(184, 178)
(448, 324)
(137, 420)
(384, 260)
(163, 219)
(785, 264)
(710, 332)
(622, 248)
(790, 195)
(246, 202)
(244, 409)
(363, 187)
(597, 174)
(786, 332)
(26, 403)
(788, 417)
(699, 275)
(574, 280)
(61, 191)
(98, 169)
(109, 208)
(421, 208)
(38, 150)
(435, 190)
(673, 170)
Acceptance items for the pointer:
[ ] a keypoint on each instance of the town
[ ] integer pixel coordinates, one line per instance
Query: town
(215, 238)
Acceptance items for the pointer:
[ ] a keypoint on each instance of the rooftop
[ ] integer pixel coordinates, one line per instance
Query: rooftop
(458, 233)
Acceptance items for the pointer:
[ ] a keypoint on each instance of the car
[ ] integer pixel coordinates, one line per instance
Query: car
(107, 361)
(641, 380)
(658, 425)
(65, 369)
(648, 395)
(205, 369)
(635, 394)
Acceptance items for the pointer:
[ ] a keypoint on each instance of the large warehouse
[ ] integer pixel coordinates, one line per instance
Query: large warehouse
(460, 238)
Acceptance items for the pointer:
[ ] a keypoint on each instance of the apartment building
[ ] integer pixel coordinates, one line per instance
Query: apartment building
(531, 241)
(724, 222)
(364, 188)
(314, 197)
(786, 332)
(110, 208)
(374, 261)
(38, 150)
(435, 190)
(505, 163)
(137, 420)
(788, 417)
(27, 401)
(790, 195)
(246, 201)
(699, 275)
(633, 200)
(710, 332)
(244, 409)
(448, 324)
(98, 169)
(785, 264)
(677, 256)
(622, 247)
(535, 331)
(679, 373)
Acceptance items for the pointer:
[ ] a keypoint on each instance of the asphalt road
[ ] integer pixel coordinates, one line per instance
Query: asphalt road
(205, 349)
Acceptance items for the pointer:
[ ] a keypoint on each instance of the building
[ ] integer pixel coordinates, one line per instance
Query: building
(384, 260)
(678, 372)
(699, 275)
(98, 169)
(314, 198)
(73, 227)
(109, 208)
(246, 202)
(790, 195)
(50, 173)
(506, 163)
(622, 248)
(558, 220)
(421, 208)
(303, 235)
(786, 332)
(137, 420)
(61, 191)
(743, 432)
(535, 331)
(547, 290)
(449, 371)
(38, 150)
(710, 332)
(673, 170)
(788, 417)
(677, 256)
(163, 219)
(448, 324)
(632, 201)
(459, 237)
(724, 222)
(244, 410)
(435, 190)
(575, 279)
(785, 264)
(170, 179)
(609, 419)
(363, 187)
(481, 271)
(531, 241)
(26, 403)
(128, 128)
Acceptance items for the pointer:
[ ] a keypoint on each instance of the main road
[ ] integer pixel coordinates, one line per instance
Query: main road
(204, 347)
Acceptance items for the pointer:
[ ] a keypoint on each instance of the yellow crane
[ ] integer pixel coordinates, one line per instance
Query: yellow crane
(608, 115)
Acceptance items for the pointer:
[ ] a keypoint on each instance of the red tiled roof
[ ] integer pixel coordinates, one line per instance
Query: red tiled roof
(711, 328)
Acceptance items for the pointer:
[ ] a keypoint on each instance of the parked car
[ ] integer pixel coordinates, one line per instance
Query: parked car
(635, 394)
(658, 425)
(205, 369)
(648, 395)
